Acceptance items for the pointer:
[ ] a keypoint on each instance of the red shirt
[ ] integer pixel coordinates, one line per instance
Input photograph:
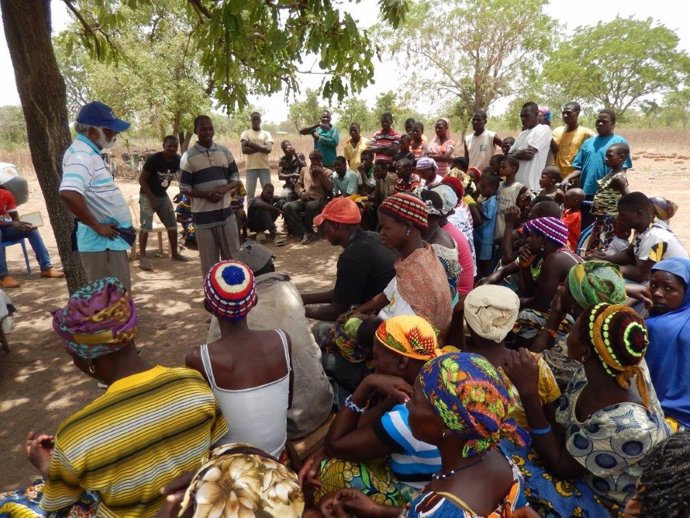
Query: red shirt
(385, 139)
(7, 205)
(572, 220)
(466, 280)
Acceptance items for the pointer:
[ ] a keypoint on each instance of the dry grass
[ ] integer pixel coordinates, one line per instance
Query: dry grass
(665, 141)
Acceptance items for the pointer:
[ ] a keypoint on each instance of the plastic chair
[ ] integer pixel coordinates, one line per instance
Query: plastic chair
(21, 241)
(157, 227)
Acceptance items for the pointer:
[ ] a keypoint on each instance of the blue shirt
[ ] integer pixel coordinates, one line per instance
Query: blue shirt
(84, 171)
(590, 160)
(412, 461)
(484, 233)
(327, 143)
(346, 185)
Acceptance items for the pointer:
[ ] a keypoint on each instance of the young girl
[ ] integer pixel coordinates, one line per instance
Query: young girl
(550, 177)
(612, 188)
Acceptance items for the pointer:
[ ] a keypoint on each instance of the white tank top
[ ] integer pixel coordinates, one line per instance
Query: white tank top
(256, 415)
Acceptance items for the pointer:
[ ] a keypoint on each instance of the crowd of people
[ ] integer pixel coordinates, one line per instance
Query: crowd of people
(508, 333)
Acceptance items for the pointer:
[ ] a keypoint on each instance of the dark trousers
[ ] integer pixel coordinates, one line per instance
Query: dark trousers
(261, 219)
(296, 222)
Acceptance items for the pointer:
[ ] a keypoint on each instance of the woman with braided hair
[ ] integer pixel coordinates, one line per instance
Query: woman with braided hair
(663, 490)
(609, 417)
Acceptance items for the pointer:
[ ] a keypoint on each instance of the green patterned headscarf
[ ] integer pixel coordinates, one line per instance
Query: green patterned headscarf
(467, 392)
(593, 282)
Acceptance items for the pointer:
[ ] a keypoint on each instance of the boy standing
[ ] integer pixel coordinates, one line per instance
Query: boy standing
(484, 232)
(572, 215)
(354, 147)
(480, 145)
(256, 145)
(508, 192)
(385, 142)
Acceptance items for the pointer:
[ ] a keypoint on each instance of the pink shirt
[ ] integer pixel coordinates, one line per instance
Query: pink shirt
(466, 281)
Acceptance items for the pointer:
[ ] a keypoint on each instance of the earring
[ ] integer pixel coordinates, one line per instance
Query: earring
(583, 359)
(91, 368)
(407, 233)
(443, 435)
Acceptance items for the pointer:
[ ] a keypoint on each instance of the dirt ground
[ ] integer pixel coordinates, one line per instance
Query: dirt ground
(39, 386)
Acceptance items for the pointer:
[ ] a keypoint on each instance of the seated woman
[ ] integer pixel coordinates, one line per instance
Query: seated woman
(370, 445)
(607, 420)
(152, 424)
(249, 371)
(543, 265)
(420, 285)
(460, 405)
(668, 355)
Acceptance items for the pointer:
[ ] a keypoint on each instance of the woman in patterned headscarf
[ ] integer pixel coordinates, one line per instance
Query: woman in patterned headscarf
(139, 428)
(460, 404)
(404, 465)
(609, 416)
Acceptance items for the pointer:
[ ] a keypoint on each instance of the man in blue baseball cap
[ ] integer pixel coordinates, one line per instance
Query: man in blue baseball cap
(104, 227)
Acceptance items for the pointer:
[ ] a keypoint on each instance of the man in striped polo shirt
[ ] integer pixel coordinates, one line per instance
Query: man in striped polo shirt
(209, 176)
(104, 226)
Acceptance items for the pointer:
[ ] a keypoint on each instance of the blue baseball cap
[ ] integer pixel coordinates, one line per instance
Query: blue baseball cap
(98, 114)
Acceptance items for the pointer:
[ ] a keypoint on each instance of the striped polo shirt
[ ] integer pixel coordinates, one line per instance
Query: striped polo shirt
(84, 171)
(412, 461)
(203, 169)
(146, 430)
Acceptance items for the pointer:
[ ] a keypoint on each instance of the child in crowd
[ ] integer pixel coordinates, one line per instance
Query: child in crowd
(289, 168)
(485, 231)
(404, 149)
(621, 238)
(611, 188)
(408, 181)
(418, 145)
(507, 144)
(366, 180)
(572, 215)
(237, 206)
(550, 178)
(508, 191)
(263, 212)
(495, 163)
(183, 213)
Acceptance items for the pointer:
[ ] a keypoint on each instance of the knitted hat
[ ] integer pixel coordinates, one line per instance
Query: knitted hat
(229, 290)
(408, 208)
(426, 163)
(551, 228)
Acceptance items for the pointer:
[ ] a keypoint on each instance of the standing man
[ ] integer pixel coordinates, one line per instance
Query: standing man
(326, 138)
(589, 165)
(104, 224)
(256, 145)
(568, 139)
(480, 145)
(531, 146)
(385, 142)
(209, 176)
(155, 178)
(354, 147)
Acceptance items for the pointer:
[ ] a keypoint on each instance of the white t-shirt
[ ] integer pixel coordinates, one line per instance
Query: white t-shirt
(505, 197)
(396, 304)
(539, 138)
(657, 243)
(480, 148)
(257, 160)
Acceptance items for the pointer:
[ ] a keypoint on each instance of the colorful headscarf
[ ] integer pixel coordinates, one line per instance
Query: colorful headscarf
(619, 338)
(408, 208)
(240, 480)
(467, 392)
(98, 319)
(545, 112)
(229, 289)
(410, 336)
(491, 311)
(426, 163)
(593, 282)
(663, 209)
(551, 228)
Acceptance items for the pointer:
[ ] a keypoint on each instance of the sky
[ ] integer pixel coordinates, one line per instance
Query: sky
(583, 12)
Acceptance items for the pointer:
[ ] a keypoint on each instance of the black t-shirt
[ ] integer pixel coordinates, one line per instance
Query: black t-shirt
(364, 269)
(161, 173)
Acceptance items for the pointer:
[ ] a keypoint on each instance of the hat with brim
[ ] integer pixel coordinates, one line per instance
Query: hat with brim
(98, 114)
(254, 255)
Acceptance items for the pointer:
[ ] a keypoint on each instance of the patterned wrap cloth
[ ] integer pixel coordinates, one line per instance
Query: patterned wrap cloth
(230, 290)
(593, 282)
(406, 207)
(410, 336)
(549, 227)
(240, 480)
(491, 311)
(618, 336)
(98, 319)
(467, 392)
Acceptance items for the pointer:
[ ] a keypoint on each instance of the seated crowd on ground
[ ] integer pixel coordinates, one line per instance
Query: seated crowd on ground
(508, 334)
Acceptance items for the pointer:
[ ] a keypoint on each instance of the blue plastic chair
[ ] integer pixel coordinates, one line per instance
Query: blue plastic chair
(21, 241)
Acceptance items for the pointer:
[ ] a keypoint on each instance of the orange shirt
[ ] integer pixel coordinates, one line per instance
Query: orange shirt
(572, 220)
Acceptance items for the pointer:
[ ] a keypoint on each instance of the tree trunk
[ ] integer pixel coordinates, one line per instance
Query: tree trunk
(44, 101)
(185, 138)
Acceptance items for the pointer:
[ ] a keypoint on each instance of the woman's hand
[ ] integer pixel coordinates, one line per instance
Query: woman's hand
(39, 448)
(521, 368)
(393, 386)
(310, 469)
(639, 292)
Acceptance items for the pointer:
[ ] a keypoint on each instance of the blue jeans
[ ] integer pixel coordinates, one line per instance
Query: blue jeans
(264, 176)
(10, 234)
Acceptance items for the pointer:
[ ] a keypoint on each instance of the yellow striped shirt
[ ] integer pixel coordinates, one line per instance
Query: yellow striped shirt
(146, 430)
